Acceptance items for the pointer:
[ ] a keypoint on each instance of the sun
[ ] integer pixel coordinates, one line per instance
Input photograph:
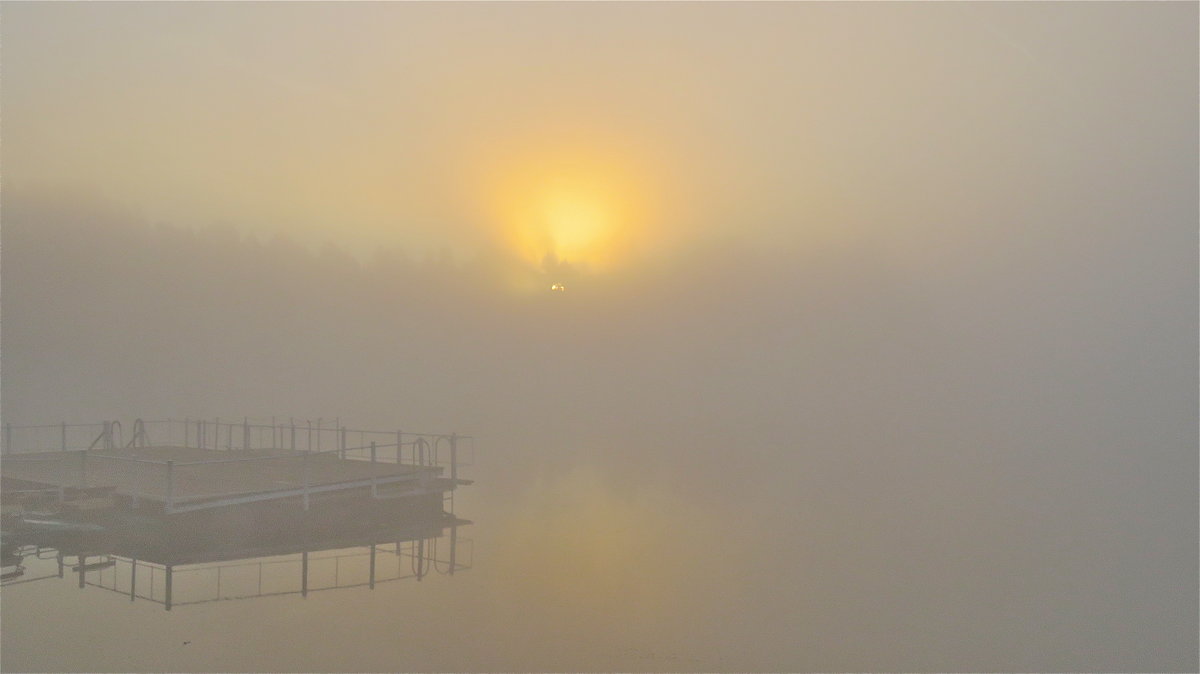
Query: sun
(569, 210)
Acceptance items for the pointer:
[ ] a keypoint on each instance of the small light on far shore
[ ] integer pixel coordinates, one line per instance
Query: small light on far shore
(558, 287)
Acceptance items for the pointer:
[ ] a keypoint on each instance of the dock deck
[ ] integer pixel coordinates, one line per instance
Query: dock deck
(185, 478)
(198, 464)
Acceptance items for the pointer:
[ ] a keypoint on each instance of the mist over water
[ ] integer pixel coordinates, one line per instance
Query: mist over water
(741, 462)
(926, 402)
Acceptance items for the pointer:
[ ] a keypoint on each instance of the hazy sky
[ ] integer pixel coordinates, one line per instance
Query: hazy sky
(880, 326)
(590, 130)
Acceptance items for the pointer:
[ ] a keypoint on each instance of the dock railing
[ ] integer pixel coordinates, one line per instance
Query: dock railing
(147, 457)
(292, 574)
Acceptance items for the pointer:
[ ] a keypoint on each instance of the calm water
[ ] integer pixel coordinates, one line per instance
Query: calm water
(590, 560)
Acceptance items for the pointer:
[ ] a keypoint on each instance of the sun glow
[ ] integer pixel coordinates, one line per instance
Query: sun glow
(567, 211)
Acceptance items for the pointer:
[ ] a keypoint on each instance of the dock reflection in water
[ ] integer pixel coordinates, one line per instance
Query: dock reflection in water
(219, 557)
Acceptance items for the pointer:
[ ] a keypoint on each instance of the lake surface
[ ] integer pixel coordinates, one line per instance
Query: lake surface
(765, 559)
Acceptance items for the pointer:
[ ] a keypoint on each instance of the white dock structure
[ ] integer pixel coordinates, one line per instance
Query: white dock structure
(195, 464)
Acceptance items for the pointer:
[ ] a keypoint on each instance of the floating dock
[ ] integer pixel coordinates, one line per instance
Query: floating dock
(179, 466)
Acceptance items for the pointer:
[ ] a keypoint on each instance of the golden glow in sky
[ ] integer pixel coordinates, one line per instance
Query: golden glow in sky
(574, 209)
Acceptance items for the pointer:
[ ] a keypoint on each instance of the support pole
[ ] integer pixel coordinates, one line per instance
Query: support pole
(454, 458)
(8, 438)
(372, 585)
(82, 559)
(64, 436)
(374, 492)
(132, 578)
(420, 559)
(170, 486)
(304, 574)
(453, 546)
(245, 432)
(307, 479)
(170, 573)
(82, 468)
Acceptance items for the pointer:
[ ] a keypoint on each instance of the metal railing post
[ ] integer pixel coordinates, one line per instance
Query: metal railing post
(374, 491)
(454, 457)
(245, 432)
(64, 436)
(170, 484)
(342, 442)
(304, 462)
(170, 572)
(82, 468)
(8, 438)
(372, 566)
(399, 448)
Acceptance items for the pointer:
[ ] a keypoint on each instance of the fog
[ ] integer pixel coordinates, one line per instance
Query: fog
(911, 388)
